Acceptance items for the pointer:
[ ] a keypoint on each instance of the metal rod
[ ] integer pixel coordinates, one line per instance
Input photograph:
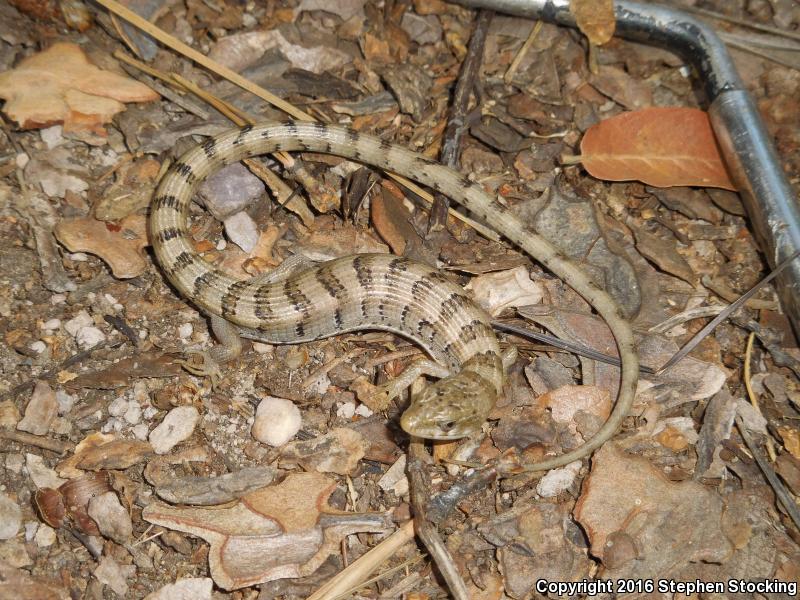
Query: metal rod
(754, 166)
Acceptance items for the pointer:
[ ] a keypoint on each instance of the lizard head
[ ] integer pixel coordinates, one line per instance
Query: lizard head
(450, 409)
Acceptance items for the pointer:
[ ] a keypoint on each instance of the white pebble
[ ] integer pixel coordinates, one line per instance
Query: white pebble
(221, 245)
(58, 299)
(185, 331)
(38, 346)
(79, 321)
(45, 536)
(65, 401)
(277, 421)
(242, 231)
(134, 413)
(262, 348)
(51, 324)
(111, 517)
(15, 462)
(89, 336)
(140, 431)
(79, 256)
(51, 136)
(10, 517)
(557, 481)
(110, 299)
(177, 426)
(363, 411)
(22, 159)
(118, 407)
(346, 410)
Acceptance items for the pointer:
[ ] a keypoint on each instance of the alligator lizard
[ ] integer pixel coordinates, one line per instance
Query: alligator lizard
(376, 291)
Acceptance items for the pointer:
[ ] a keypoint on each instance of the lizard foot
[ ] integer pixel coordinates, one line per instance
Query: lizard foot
(207, 366)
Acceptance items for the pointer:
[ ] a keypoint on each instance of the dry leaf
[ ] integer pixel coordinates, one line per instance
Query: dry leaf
(391, 220)
(61, 86)
(286, 530)
(791, 439)
(663, 147)
(119, 245)
(595, 18)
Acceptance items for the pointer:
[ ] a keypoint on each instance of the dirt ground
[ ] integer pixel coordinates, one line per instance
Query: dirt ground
(126, 472)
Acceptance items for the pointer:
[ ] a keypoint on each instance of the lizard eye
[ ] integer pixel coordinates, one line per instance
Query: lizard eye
(446, 425)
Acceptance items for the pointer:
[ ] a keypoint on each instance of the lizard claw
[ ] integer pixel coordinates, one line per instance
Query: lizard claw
(207, 366)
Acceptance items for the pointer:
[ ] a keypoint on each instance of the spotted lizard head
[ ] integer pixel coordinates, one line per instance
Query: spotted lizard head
(450, 409)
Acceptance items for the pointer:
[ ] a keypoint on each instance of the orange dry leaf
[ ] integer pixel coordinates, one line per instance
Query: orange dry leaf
(61, 86)
(663, 147)
(595, 18)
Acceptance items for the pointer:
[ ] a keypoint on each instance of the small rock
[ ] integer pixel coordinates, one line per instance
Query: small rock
(230, 191)
(9, 414)
(111, 517)
(76, 323)
(65, 402)
(191, 588)
(242, 231)
(14, 553)
(41, 410)
(15, 462)
(38, 346)
(134, 413)
(395, 479)
(177, 426)
(262, 348)
(140, 431)
(88, 337)
(51, 136)
(363, 410)
(114, 575)
(51, 324)
(185, 331)
(557, 481)
(423, 30)
(45, 536)
(10, 517)
(42, 476)
(346, 410)
(118, 407)
(277, 420)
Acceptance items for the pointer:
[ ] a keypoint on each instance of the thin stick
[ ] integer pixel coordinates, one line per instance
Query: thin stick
(698, 337)
(760, 53)
(38, 441)
(360, 569)
(742, 22)
(748, 357)
(202, 59)
(456, 121)
(784, 497)
(512, 68)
